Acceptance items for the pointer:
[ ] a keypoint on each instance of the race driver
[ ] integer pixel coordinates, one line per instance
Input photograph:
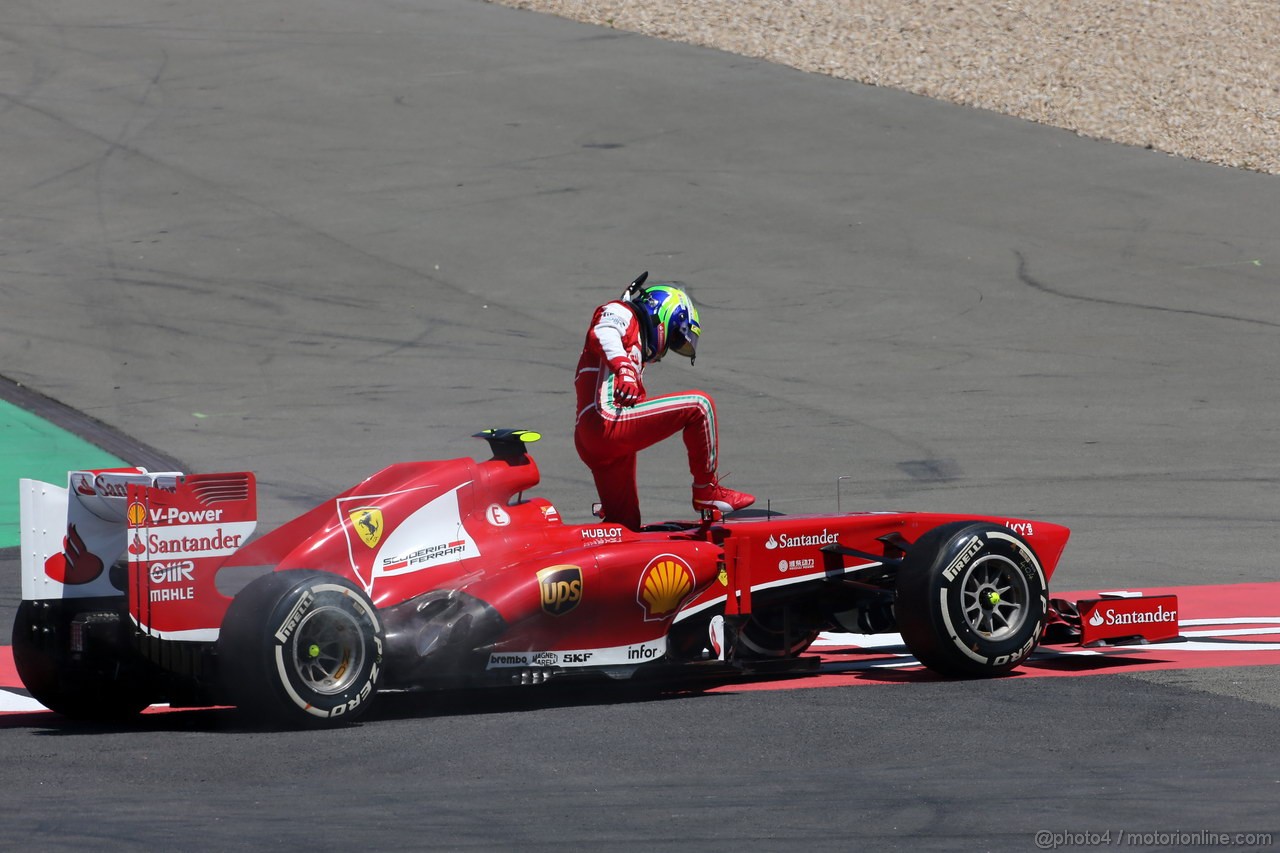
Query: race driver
(616, 419)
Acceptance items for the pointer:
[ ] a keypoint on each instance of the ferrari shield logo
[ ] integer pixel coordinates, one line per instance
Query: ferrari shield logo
(367, 520)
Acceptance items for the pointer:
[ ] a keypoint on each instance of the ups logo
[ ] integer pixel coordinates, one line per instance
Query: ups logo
(561, 589)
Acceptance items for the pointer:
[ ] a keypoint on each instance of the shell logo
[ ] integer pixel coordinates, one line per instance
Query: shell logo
(137, 514)
(664, 585)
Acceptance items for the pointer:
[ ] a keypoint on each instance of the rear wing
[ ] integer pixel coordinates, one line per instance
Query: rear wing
(72, 536)
(160, 537)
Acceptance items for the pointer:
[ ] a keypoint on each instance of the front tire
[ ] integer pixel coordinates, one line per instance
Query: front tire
(971, 599)
(301, 649)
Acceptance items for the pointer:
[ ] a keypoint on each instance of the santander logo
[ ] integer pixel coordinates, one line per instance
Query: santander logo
(1153, 617)
(1111, 617)
(76, 564)
(801, 541)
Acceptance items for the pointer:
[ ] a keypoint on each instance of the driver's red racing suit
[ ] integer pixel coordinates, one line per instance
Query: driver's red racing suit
(609, 436)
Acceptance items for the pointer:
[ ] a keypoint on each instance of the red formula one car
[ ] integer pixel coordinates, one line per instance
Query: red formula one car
(443, 574)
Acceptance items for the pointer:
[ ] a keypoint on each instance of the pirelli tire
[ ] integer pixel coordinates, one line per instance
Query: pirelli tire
(771, 635)
(301, 649)
(96, 684)
(971, 599)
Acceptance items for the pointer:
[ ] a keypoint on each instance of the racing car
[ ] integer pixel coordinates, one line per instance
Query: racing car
(141, 588)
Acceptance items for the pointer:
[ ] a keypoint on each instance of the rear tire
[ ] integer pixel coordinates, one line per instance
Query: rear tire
(763, 636)
(301, 649)
(768, 636)
(971, 599)
(84, 686)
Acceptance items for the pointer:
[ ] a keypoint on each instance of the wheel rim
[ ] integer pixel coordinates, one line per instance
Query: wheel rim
(328, 654)
(994, 598)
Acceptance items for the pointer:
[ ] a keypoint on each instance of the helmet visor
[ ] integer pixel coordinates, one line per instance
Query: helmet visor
(683, 341)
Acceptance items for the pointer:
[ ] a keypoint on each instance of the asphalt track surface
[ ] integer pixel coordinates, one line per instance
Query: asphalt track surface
(310, 239)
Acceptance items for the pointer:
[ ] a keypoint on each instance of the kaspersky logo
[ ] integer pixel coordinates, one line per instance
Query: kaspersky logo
(367, 521)
(664, 585)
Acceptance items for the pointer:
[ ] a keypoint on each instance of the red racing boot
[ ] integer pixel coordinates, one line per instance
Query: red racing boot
(715, 496)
